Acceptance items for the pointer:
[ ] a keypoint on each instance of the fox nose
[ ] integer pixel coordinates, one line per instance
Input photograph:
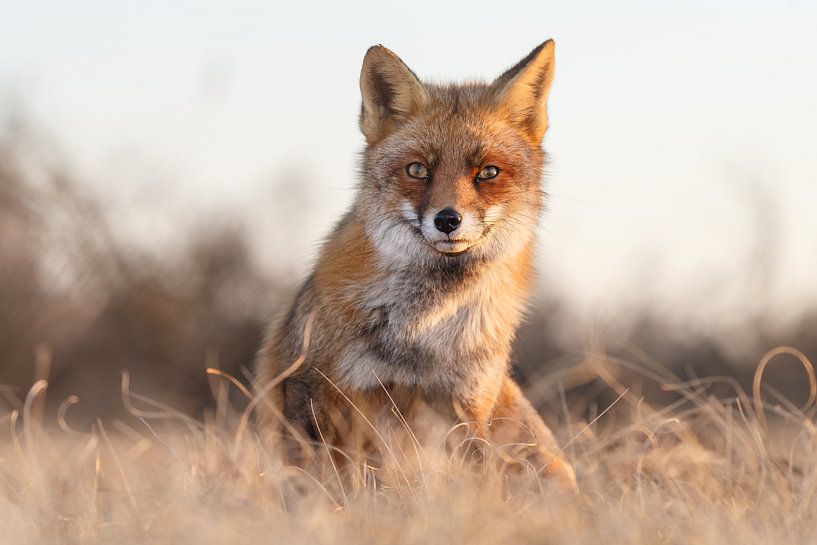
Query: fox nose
(447, 220)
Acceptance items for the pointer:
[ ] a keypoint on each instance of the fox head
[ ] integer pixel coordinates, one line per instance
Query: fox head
(452, 172)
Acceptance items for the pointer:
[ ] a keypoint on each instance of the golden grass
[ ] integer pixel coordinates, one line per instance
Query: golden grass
(702, 470)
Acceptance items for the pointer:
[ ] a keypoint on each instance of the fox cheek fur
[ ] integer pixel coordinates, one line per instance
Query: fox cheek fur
(420, 288)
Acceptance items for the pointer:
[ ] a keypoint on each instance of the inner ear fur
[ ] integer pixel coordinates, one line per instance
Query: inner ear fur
(522, 91)
(391, 93)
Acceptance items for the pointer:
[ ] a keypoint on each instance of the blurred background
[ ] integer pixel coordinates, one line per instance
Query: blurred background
(168, 170)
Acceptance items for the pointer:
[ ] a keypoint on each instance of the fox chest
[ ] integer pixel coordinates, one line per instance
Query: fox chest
(419, 335)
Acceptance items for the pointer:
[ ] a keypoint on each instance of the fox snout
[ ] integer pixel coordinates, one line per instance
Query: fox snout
(452, 229)
(449, 231)
(447, 220)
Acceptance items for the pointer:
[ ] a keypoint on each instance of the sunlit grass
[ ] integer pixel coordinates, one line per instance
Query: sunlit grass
(703, 470)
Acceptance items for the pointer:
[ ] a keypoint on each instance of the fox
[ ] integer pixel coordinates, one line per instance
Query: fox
(417, 293)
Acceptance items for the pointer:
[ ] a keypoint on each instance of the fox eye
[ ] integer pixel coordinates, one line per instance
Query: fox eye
(417, 170)
(487, 173)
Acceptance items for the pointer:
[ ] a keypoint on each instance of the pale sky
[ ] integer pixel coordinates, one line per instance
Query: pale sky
(683, 135)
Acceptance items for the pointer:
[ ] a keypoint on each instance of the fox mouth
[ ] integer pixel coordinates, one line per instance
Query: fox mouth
(456, 246)
(450, 247)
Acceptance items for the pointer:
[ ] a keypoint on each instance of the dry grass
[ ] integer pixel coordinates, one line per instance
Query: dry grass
(703, 470)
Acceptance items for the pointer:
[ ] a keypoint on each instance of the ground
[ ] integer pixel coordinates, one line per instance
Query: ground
(703, 470)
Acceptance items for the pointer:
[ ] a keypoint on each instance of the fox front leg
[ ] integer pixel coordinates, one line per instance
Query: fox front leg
(516, 424)
(517, 433)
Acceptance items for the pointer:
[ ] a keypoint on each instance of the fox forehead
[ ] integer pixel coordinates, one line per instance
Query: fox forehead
(460, 99)
(458, 127)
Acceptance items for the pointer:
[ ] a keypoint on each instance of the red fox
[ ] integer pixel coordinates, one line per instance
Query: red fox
(419, 290)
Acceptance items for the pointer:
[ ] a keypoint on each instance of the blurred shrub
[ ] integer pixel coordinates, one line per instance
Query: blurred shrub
(91, 305)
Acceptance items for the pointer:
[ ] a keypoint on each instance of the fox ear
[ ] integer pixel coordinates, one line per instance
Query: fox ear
(523, 90)
(391, 93)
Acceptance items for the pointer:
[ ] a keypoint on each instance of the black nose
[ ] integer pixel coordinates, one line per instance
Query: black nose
(447, 220)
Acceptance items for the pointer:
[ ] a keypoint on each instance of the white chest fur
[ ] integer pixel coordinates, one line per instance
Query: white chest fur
(429, 335)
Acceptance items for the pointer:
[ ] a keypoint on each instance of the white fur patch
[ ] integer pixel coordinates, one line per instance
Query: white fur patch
(493, 213)
(409, 214)
(360, 371)
(395, 241)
